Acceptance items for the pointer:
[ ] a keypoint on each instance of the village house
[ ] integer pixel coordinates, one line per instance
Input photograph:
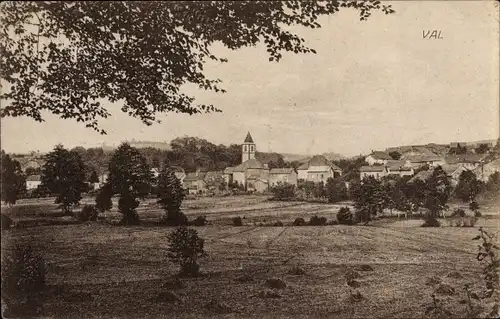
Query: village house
(195, 183)
(469, 161)
(282, 175)
(487, 168)
(453, 171)
(375, 171)
(318, 169)
(33, 181)
(377, 157)
(214, 180)
(252, 169)
(419, 160)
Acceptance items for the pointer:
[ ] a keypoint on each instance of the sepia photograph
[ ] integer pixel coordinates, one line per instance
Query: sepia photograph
(250, 159)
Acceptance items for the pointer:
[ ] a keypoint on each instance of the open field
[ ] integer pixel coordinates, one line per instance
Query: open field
(100, 270)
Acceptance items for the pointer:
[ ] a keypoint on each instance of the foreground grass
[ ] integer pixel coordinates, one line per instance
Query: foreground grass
(97, 270)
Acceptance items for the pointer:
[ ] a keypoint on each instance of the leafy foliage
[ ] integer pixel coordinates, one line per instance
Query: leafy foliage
(63, 174)
(170, 197)
(468, 186)
(344, 216)
(93, 178)
(129, 177)
(336, 190)
(395, 155)
(299, 221)
(64, 57)
(283, 191)
(185, 248)
(237, 221)
(6, 222)
(370, 198)
(103, 200)
(23, 279)
(88, 213)
(13, 183)
(317, 221)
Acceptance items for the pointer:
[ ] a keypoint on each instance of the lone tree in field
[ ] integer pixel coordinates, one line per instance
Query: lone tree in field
(64, 57)
(370, 198)
(64, 175)
(436, 194)
(468, 187)
(185, 248)
(12, 179)
(103, 200)
(170, 197)
(129, 177)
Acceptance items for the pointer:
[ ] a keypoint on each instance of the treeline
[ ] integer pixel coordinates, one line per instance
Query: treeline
(371, 197)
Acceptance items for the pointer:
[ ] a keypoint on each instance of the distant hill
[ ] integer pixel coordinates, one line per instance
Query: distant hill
(293, 157)
(154, 144)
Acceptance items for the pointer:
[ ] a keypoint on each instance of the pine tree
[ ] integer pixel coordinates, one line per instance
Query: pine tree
(64, 175)
(12, 179)
(171, 194)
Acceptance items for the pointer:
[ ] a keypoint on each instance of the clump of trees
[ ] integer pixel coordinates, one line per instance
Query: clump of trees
(64, 175)
(13, 182)
(336, 190)
(130, 178)
(283, 191)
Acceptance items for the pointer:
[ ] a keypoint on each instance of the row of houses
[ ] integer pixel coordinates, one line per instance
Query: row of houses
(380, 164)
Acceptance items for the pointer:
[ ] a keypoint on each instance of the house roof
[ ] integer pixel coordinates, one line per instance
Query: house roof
(395, 163)
(229, 170)
(34, 178)
(213, 174)
(249, 138)
(190, 177)
(281, 170)
(251, 163)
(419, 158)
(450, 168)
(318, 160)
(422, 175)
(399, 169)
(464, 158)
(372, 169)
(380, 155)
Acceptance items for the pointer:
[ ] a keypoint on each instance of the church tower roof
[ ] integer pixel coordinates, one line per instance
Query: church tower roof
(249, 138)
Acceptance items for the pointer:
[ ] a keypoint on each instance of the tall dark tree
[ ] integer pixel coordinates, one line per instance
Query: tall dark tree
(94, 178)
(395, 155)
(137, 52)
(170, 197)
(130, 178)
(63, 174)
(436, 193)
(336, 190)
(370, 198)
(468, 187)
(13, 183)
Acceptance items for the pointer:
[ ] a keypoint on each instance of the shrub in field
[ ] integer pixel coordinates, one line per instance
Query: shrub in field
(278, 224)
(170, 197)
(477, 214)
(275, 283)
(299, 221)
(185, 248)
(237, 221)
(6, 222)
(458, 213)
(88, 213)
(431, 222)
(23, 279)
(199, 221)
(344, 216)
(317, 221)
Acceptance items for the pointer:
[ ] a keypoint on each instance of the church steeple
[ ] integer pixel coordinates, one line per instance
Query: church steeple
(248, 149)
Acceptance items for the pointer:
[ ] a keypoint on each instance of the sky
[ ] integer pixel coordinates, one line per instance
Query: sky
(372, 85)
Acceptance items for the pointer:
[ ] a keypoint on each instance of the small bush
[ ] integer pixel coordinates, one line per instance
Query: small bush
(237, 221)
(297, 271)
(218, 307)
(445, 289)
(276, 283)
(344, 216)
(299, 221)
(6, 222)
(23, 279)
(178, 219)
(477, 214)
(88, 213)
(317, 221)
(199, 221)
(365, 268)
(185, 248)
(431, 222)
(278, 224)
(268, 294)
